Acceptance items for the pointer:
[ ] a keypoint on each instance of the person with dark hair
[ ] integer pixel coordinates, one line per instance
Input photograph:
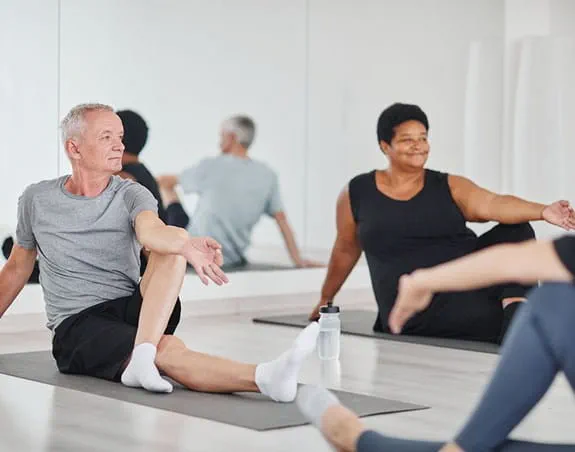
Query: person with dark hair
(135, 139)
(540, 344)
(407, 217)
(235, 191)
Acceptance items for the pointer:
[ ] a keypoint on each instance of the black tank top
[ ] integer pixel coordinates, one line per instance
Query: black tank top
(401, 236)
(145, 178)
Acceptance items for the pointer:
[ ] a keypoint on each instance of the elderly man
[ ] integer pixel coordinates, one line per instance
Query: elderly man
(235, 191)
(88, 229)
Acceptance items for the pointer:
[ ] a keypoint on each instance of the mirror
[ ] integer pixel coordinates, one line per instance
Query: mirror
(313, 74)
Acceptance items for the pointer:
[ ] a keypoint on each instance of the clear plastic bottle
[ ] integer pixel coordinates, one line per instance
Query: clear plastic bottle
(329, 332)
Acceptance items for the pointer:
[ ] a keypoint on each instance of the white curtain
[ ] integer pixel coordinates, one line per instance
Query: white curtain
(543, 124)
(542, 164)
(483, 114)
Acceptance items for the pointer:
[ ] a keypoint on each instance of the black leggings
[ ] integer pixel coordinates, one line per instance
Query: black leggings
(478, 314)
(507, 233)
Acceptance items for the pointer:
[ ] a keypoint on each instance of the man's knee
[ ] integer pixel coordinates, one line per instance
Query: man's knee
(169, 262)
(167, 346)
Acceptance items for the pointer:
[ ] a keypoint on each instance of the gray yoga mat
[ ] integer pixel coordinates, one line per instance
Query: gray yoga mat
(360, 323)
(252, 411)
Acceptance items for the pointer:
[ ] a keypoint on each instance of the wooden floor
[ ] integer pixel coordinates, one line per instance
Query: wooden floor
(37, 417)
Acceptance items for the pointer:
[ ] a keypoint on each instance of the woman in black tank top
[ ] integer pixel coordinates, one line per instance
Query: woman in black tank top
(407, 217)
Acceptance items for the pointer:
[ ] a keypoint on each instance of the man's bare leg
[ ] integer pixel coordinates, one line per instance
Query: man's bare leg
(200, 372)
(160, 287)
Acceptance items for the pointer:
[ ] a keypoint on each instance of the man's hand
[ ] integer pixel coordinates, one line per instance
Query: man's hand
(14, 275)
(411, 298)
(205, 255)
(561, 214)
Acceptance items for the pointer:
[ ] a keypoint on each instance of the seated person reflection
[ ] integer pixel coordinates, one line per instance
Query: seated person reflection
(234, 191)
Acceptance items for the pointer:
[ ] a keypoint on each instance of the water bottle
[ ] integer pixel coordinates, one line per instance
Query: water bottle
(329, 332)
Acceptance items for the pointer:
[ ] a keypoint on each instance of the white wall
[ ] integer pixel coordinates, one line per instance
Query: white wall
(28, 98)
(522, 18)
(365, 55)
(185, 66)
(315, 74)
(562, 15)
(539, 102)
(483, 114)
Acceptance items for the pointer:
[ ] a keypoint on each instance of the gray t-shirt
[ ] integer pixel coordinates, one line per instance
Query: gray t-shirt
(234, 193)
(87, 247)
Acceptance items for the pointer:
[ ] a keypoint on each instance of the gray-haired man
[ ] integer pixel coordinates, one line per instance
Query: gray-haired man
(234, 192)
(88, 229)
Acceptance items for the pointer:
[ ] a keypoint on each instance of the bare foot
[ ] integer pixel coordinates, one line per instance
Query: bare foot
(342, 428)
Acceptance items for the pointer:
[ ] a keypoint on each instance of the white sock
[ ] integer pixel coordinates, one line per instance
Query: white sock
(278, 378)
(142, 372)
(313, 401)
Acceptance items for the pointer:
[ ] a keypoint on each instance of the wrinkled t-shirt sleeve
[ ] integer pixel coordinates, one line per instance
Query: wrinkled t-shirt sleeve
(138, 199)
(24, 231)
(192, 179)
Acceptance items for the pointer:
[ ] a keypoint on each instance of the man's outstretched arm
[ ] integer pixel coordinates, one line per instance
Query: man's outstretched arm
(203, 253)
(15, 274)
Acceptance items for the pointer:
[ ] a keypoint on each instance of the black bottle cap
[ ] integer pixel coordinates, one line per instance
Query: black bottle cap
(329, 309)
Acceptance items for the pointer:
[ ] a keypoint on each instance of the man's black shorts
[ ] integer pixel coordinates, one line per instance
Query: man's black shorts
(99, 340)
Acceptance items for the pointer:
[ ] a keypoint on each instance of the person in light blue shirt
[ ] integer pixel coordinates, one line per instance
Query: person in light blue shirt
(234, 192)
